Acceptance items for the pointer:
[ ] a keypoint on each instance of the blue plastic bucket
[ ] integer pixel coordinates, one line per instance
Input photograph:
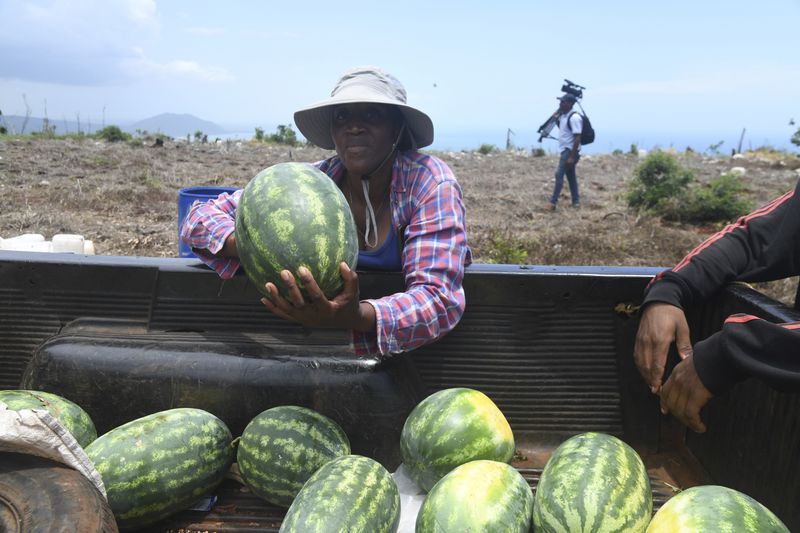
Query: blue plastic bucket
(186, 197)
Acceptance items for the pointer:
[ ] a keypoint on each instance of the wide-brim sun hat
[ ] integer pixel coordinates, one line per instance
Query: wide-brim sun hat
(362, 85)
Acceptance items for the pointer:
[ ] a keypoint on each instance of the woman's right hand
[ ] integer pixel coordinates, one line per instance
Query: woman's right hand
(660, 326)
(344, 311)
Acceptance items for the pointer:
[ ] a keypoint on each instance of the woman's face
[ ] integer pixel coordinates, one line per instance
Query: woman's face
(363, 135)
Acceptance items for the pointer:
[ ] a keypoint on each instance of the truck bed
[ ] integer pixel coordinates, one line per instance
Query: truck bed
(552, 346)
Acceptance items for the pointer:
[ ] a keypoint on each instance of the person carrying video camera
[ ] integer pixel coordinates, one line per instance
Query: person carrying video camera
(570, 126)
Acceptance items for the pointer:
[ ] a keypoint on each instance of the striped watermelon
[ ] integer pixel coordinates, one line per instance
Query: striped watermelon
(161, 463)
(595, 483)
(68, 413)
(478, 496)
(292, 215)
(452, 427)
(714, 509)
(350, 493)
(282, 447)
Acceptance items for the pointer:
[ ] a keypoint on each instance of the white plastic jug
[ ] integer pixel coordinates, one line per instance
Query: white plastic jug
(61, 243)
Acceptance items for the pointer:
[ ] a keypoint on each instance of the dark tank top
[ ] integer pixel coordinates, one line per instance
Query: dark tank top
(387, 257)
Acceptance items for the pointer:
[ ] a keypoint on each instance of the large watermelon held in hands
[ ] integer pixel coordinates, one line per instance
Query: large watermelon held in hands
(478, 496)
(350, 493)
(292, 215)
(594, 483)
(452, 427)
(68, 413)
(714, 509)
(162, 463)
(282, 447)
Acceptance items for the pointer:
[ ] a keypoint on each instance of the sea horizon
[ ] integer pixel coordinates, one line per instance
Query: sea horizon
(605, 142)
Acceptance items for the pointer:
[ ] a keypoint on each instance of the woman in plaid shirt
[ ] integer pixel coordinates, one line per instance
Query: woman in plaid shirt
(407, 206)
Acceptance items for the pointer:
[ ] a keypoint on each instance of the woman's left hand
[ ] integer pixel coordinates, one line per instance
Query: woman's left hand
(344, 311)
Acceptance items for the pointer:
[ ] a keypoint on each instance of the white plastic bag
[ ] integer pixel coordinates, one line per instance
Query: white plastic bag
(37, 432)
(411, 498)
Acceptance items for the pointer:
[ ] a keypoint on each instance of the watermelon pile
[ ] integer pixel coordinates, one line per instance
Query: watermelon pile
(292, 215)
(456, 445)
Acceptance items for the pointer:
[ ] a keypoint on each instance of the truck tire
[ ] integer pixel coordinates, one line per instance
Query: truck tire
(40, 495)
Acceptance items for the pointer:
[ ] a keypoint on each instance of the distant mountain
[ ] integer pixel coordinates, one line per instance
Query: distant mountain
(176, 125)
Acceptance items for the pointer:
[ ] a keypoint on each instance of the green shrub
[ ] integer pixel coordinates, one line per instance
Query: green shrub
(506, 249)
(658, 182)
(284, 135)
(617, 152)
(112, 134)
(487, 148)
(719, 201)
(538, 152)
(796, 137)
(634, 150)
(714, 148)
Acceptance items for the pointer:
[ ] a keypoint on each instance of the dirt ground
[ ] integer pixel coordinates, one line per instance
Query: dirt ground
(124, 198)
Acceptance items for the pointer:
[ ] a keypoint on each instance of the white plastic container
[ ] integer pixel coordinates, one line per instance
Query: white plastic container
(61, 243)
(66, 242)
(28, 242)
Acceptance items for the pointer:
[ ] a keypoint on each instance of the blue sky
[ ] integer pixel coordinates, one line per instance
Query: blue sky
(656, 73)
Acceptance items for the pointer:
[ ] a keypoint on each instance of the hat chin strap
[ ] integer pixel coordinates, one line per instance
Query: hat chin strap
(371, 222)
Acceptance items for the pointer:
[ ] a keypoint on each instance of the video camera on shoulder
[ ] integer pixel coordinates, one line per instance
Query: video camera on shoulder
(572, 88)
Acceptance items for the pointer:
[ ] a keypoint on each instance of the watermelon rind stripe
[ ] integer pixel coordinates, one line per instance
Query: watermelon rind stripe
(283, 446)
(593, 483)
(68, 413)
(292, 215)
(478, 496)
(452, 427)
(161, 463)
(714, 509)
(349, 493)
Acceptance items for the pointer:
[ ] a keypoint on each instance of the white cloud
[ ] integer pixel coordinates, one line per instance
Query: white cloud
(143, 67)
(89, 43)
(205, 31)
(142, 10)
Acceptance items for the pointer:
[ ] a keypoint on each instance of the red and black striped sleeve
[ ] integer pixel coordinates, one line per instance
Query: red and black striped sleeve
(761, 246)
(749, 346)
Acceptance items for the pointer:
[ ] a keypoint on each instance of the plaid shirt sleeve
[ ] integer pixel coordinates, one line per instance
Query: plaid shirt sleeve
(434, 256)
(206, 227)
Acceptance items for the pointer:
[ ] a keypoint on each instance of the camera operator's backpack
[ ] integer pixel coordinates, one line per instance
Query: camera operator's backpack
(587, 132)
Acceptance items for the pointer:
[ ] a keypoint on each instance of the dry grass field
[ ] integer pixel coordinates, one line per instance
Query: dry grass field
(124, 198)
